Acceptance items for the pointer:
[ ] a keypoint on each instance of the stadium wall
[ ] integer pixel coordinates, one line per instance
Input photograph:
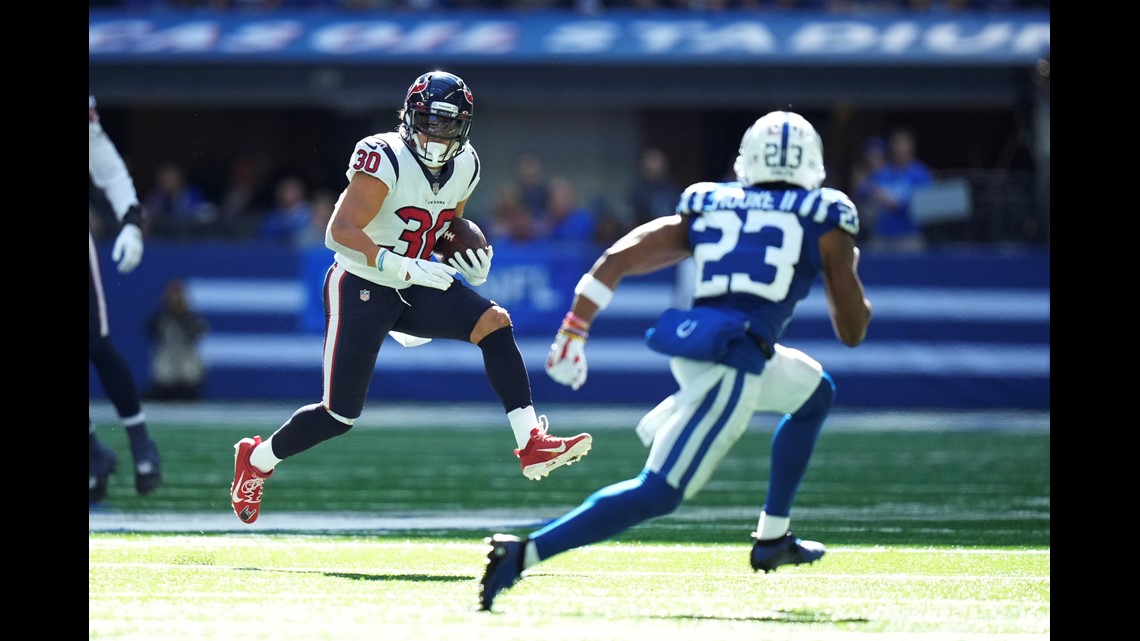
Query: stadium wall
(953, 329)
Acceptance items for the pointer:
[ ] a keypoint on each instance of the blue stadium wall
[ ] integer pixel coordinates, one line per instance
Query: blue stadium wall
(952, 329)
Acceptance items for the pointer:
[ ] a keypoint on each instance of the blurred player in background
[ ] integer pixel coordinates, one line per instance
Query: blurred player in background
(109, 173)
(758, 245)
(404, 186)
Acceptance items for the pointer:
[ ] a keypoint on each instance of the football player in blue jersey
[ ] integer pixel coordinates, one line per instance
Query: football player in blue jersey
(404, 187)
(758, 244)
(110, 174)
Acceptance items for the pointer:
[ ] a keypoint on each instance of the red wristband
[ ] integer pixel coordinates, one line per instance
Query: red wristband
(573, 320)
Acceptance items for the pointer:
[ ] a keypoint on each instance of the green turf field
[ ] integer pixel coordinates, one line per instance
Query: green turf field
(931, 535)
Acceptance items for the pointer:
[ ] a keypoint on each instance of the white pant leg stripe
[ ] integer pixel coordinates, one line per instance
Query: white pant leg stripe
(697, 424)
(724, 412)
(332, 290)
(703, 431)
(97, 278)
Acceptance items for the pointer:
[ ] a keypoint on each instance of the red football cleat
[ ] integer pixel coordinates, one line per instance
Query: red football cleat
(544, 452)
(245, 492)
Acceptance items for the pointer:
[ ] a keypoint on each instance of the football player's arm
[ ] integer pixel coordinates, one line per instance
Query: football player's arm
(846, 300)
(345, 232)
(110, 174)
(654, 245)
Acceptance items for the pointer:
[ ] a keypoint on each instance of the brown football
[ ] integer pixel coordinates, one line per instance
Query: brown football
(459, 235)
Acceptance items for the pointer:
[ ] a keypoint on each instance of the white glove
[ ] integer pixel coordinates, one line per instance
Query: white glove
(417, 271)
(566, 361)
(128, 248)
(477, 265)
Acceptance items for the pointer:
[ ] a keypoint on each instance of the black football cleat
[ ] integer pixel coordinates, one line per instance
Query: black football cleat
(504, 567)
(786, 550)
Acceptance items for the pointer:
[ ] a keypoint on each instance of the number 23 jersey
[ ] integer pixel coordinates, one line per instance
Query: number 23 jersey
(757, 250)
(418, 205)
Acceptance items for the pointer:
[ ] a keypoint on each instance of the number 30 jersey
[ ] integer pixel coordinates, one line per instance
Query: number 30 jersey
(757, 250)
(418, 206)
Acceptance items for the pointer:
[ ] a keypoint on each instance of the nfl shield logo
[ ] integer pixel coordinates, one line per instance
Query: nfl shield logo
(365, 295)
(435, 188)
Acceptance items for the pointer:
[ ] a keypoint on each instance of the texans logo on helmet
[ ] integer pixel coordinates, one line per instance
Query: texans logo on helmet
(467, 94)
(420, 85)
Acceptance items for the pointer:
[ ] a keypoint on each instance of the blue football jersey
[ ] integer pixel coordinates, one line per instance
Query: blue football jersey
(757, 250)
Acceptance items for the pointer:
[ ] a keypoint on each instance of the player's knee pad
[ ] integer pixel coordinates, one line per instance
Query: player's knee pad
(821, 401)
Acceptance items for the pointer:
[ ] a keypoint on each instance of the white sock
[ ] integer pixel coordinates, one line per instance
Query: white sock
(772, 527)
(530, 555)
(131, 421)
(262, 456)
(523, 420)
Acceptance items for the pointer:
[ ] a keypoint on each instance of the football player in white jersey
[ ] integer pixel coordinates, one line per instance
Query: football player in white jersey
(404, 187)
(109, 173)
(759, 243)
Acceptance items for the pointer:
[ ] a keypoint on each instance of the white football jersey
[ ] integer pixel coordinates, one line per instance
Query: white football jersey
(418, 206)
(107, 169)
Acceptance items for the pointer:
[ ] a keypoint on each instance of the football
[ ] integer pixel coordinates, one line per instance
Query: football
(459, 235)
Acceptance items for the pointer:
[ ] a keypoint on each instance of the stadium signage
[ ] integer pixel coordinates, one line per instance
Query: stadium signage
(505, 37)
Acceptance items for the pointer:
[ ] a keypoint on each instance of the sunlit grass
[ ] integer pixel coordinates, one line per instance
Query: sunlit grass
(184, 588)
(931, 536)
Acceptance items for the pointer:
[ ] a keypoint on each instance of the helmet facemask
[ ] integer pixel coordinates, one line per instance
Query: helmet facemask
(436, 139)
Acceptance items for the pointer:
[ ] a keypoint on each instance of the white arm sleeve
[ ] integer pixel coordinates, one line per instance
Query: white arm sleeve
(109, 172)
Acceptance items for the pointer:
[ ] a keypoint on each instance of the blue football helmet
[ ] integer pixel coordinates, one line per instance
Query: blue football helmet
(437, 117)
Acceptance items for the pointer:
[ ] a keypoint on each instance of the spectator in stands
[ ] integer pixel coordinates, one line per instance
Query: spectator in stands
(873, 158)
(565, 219)
(291, 214)
(178, 208)
(611, 225)
(886, 196)
(313, 235)
(654, 193)
(532, 182)
(177, 369)
(245, 200)
(512, 221)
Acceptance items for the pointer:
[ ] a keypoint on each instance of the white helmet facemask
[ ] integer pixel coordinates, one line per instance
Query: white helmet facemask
(436, 137)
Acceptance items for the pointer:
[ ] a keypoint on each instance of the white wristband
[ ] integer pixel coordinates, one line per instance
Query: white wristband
(595, 290)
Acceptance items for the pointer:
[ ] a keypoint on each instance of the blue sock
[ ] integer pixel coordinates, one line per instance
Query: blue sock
(792, 447)
(608, 512)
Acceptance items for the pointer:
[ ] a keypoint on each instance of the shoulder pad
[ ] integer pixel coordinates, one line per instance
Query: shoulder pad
(839, 210)
(695, 199)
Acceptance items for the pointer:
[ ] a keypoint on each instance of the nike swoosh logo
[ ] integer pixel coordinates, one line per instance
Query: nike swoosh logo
(237, 486)
(686, 328)
(372, 145)
(555, 450)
